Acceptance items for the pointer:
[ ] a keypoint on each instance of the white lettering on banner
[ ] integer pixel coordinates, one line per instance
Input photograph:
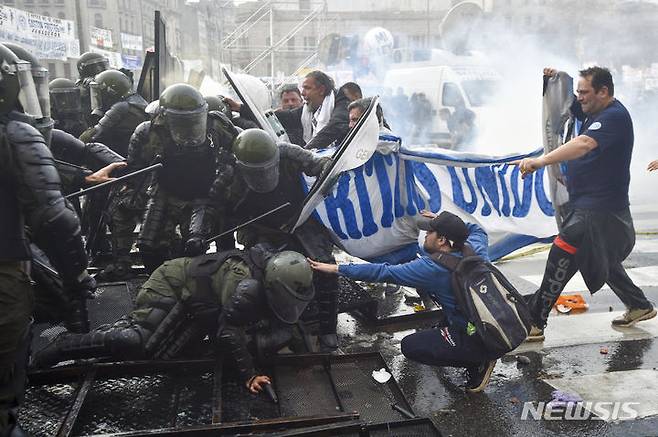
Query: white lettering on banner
(372, 209)
(46, 37)
(131, 42)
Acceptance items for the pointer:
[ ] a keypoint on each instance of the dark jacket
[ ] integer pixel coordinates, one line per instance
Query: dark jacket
(335, 130)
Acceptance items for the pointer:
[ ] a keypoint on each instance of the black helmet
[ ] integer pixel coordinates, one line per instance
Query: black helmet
(64, 96)
(108, 88)
(257, 158)
(185, 113)
(40, 78)
(90, 64)
(216, 103)
(17, 85)
(288, 285)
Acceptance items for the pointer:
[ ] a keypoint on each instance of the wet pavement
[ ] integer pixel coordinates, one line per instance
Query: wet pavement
(581, 352)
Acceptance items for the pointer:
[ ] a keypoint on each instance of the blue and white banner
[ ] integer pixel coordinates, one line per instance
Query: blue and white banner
(373, 209)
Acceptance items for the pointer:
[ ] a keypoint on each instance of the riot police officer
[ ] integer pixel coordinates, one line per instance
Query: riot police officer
(66, 107)
(191, 143)
(89, 65)
(30, 195)
(119, 110)
(268, 175)
(186, 299)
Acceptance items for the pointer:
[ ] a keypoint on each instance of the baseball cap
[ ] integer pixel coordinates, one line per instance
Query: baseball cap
(448, 225)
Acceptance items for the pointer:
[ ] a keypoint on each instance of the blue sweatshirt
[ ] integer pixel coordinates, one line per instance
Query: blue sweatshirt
(423, 273)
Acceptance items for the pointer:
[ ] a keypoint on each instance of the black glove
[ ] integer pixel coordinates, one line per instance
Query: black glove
(195, 246)
(83, 286)
(80, 289)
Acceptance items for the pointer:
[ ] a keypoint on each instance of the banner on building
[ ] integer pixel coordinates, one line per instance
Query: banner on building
(46, 37)
(131, 62)
(131, 42)
(373, 209)
(101, 38)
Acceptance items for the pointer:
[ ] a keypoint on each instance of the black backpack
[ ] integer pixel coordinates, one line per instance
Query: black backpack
(486, 298)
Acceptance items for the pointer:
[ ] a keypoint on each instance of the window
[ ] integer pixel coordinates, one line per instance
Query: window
(61, 15)
(309, 42)
(28, 2)
(59, 2)
(98, 20)
(451, 95)
(52, 70)
(67, 70)
(44, 2)
(45, 14)
(291, 43)
(304, 5)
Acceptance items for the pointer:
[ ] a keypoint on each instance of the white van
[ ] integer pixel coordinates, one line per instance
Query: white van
(446, 87)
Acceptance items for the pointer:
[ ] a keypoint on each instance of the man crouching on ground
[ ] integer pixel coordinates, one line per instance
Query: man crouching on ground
(447, 346)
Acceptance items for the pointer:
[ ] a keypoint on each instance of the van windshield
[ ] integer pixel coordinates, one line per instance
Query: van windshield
(479, 91)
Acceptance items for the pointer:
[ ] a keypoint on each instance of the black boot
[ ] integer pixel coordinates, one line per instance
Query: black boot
(327, 297)
(117, 343)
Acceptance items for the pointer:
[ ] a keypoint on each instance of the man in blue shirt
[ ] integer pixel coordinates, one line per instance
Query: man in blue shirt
(598, 234)
(442, 346)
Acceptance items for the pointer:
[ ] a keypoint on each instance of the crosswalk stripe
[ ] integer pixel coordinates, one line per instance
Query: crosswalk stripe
(641, 276)
(636, 387)
(588, 328)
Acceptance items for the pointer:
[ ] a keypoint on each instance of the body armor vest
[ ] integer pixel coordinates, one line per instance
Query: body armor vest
(187, 173)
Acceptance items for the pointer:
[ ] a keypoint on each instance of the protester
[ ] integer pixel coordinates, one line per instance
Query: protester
(598, 234)
(451, 345)
(351, 90)
(321, 121)
(291, 97)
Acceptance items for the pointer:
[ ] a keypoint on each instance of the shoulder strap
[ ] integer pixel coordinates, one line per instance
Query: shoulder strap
(468, 250)
(446, 260)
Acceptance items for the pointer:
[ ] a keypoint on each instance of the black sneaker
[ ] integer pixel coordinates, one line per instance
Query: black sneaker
(478, 377)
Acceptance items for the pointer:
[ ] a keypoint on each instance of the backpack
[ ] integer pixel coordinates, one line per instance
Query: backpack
(497, 311)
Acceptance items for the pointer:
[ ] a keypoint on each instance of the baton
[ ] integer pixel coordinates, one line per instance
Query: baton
(271, 393)
(46, 267)
(230, 231)
(113, 181)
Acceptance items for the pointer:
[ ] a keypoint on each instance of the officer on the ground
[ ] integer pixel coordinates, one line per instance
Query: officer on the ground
(217, 295)
(30, 195)
(66, 107)
(267, 175)
(191, 143)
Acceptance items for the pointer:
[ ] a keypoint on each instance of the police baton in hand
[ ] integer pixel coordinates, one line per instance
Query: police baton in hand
(86, 191)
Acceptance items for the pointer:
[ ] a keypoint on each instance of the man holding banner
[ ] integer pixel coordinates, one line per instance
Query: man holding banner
(598, 234)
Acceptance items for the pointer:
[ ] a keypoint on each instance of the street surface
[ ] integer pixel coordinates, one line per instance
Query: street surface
(582, 355)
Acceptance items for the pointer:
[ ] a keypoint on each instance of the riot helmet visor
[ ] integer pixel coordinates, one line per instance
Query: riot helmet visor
(27, 95)
(262, 177)
(40, 76)
(66, 100)
(187, 128)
